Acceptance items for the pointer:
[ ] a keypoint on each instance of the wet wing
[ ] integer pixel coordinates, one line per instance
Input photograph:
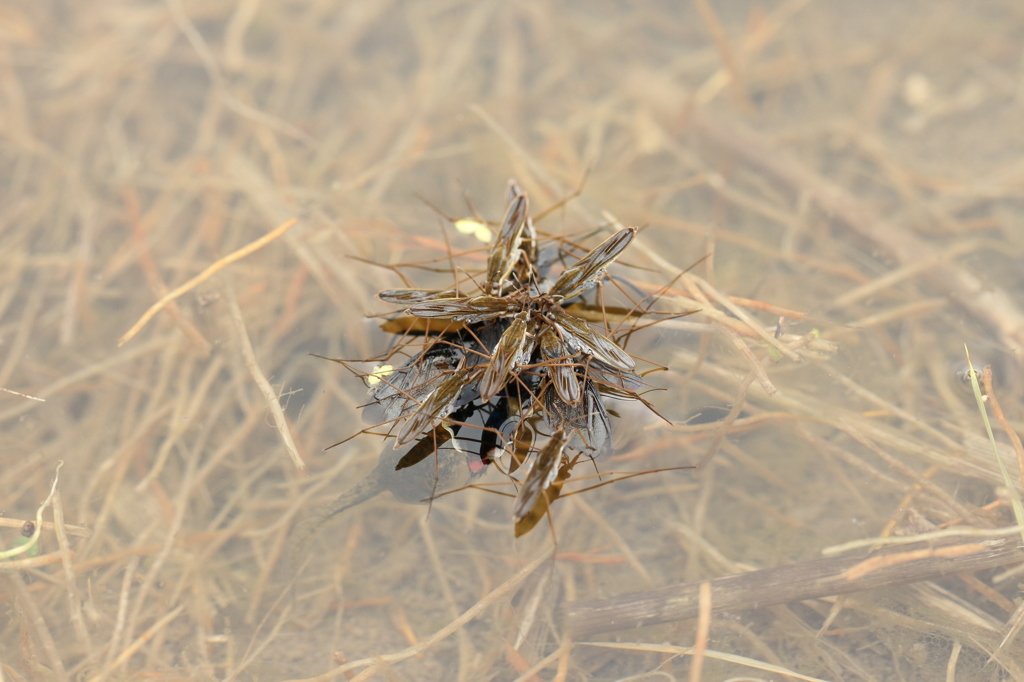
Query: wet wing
(542, 474)
(560, 367)
(586, 422)
(399, 393)
(580, 336)
(438, 405)
(513, 349)
(470, 309)
(407, 296)
(621, 384)
(585, 273)
(505, 252)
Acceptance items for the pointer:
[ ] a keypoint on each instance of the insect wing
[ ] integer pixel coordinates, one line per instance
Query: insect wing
(399, 393)
(468, 309)
(444, 308)
(581, 337)
(529, 244)
(438, 405)
(407, 296)
(584, 274)
(587, 421)
(425, 447)
(513, 191)
(542, 474)
(512, 349)
(487, 308)
(623, 384)
(560, 369)
(431, 442)
(505, 251)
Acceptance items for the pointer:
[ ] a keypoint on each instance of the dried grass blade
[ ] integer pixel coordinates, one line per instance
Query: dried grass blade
(1018, 510)
(469, 614)
(269, 394)
(717, 655)
(205, 275)
(140, 641)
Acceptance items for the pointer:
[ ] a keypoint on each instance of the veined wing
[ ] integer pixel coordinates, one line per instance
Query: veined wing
(542, 474)
(529, 245)
(560, 368)
(585, 273)
(438, 405)
(505, 252)
(407, 296)
(512, 191)
(512, 349)
(586, 422)
(429, 443)
(622, 384)
(581, 337)
(466, 308)
(400, 392)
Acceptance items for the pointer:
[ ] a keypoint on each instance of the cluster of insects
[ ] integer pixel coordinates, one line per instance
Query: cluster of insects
(511, 361)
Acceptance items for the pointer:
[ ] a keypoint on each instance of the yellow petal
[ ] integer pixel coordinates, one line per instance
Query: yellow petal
(467, 226)
(484, 234)
(475, 228)
(379, 371)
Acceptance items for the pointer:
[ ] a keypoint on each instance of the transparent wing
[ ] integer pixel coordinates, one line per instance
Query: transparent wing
(512, 191)
(399, 393)
(438, 405)
(586, 422)
(622, 384)
(581, 337)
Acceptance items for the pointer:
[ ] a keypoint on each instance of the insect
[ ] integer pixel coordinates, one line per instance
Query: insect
(542, 474)
(507, 361)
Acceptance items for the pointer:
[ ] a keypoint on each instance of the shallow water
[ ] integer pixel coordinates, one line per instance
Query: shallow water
(853, 168)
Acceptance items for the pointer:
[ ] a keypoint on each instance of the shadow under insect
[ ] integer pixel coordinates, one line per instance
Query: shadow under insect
(497, 368)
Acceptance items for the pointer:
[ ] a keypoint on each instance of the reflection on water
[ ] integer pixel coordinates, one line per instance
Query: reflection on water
(848, 171)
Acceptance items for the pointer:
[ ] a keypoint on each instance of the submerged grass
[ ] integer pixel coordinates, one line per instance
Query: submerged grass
(1010, 487)
(848, 172)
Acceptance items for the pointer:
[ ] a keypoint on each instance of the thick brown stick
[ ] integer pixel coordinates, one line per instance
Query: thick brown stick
(796, 582)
